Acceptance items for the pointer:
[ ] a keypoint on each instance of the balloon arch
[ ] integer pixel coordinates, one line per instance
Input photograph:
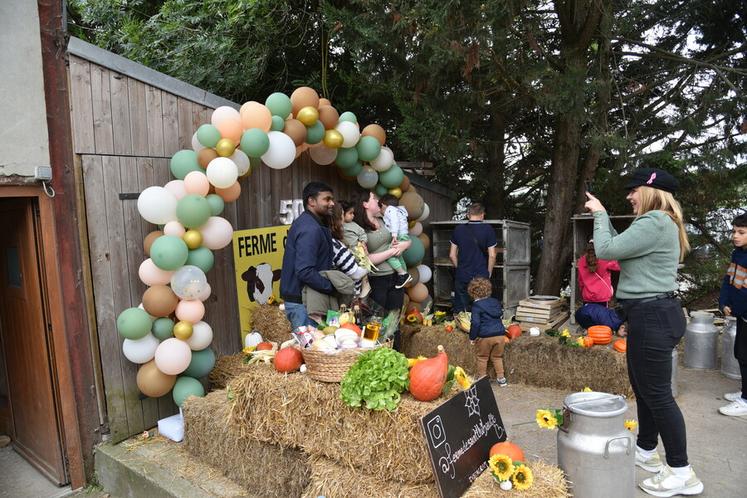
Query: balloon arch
(166, 334)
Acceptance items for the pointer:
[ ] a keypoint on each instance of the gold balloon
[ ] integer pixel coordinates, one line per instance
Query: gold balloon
(225, 147)
(193, 238)
(183, 330)
(333, 139)
(396, 192)
(308, 116)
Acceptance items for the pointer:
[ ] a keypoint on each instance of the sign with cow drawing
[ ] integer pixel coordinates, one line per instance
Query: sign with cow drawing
(257, 257)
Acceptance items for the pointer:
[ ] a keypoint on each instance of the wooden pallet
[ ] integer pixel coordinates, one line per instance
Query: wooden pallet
(539, 312)
(557, 320)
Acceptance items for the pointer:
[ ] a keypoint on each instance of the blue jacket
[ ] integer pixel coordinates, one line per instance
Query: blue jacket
(308, 250)
(486, 318)
(734, 286)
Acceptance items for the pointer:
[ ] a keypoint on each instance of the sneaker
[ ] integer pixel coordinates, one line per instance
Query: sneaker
(502, 382)
(733, 396)
(666, 483)
(735, 408)
(365, 288)
(403, 279)
(651, 464)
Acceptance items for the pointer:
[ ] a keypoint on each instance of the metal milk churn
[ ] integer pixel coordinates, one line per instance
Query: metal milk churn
(701, 339)
(729, 364)
(594, 449)
(675, 371)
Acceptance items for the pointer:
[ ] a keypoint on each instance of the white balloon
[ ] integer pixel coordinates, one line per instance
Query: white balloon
(368, 178)
(224, 113)
(196, 145)
(350, 133)
(188, 282)
(173, 356)
(426, 212)
(416, 229)
(222, 172)
(282, 151)
(217, 233)
(241, 161)
(141, 350)
(157, 205)
(206, 291)
(425, 274)
(150, 274)
(174, 228)
(322, 154)
(384, 160)
(202, 336)
(176, 187)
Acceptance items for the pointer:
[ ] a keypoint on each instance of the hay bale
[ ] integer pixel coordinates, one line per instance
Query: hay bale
(294, 410)
(549, 482)
(543, 362)
(267, 469)
(226, 368)
(423, 341)
(271, 322)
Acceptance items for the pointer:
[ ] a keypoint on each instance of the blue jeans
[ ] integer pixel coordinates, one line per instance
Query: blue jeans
(461, 301)
(297, 315)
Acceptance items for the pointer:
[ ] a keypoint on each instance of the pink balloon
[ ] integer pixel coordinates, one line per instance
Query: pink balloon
(217, 233)
(150, 274)
(196, 182)
(174, 228)
(190, 310)
(224, 113)
(176, 187)
(173, 356)
(206, 291)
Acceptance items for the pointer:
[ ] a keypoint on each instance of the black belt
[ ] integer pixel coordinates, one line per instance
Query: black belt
(631, 302)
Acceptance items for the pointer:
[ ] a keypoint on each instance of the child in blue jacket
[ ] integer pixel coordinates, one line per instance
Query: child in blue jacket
(486, 331)
(733, 301)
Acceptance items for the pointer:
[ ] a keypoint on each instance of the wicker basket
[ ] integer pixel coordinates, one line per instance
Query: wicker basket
(327, 367)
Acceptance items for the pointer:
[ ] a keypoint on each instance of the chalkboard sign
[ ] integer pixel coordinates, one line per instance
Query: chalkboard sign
(459, 435)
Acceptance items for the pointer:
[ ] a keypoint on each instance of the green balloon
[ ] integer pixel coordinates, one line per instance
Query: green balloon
(169, 252)
(354, 169)
(368, 148)
(216, 204)
(315, 134)
(163, 328)
(208, 135)
(346, 158)
(415, 253)
(192, 210)
(184, 162)
(254, 142)
(202, 362)
(278, 123)
(133, 323)
(348, 116)
(392, 177)
(186, 387)
(202, 258)
(380, 190)
(279, 105)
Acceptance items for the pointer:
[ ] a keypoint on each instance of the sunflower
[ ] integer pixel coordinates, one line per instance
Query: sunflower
(546, 419)
(565, 333)
(501, 466)
(248, 349)
(586, 389)
(631, 425)
(522, 477)
(464, 380)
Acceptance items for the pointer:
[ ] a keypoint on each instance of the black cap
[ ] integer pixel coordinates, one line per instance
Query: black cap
(652, 177)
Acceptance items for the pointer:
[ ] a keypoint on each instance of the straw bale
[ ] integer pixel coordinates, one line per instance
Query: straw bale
(423, 341)
(271, 323)
(543, 362)
(549, 482)
(267, 469)
(226, 368)
(294, 410)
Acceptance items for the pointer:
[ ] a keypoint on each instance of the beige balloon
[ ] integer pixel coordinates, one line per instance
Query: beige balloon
(376, 131)
(152, 382)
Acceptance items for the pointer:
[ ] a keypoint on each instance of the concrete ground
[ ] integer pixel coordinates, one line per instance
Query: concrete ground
(19, 479)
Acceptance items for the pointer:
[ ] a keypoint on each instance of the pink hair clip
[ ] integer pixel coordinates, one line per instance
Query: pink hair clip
(651, 179)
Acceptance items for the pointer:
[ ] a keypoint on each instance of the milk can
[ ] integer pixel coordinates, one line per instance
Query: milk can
(675, 371)
(594, 449)
(729, 364)
(701, 339)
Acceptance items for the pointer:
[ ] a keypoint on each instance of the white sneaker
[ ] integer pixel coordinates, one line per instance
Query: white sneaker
(652, 464)
(733, 396)
(666, 483)
(735, 408)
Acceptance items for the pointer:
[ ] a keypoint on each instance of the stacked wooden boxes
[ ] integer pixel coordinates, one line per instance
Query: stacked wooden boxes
(545, 312)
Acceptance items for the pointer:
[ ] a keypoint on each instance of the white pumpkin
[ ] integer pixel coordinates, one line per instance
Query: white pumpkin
(343, 335)
(252, 339)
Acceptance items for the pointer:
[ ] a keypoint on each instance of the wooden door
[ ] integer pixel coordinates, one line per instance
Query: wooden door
(27, 344)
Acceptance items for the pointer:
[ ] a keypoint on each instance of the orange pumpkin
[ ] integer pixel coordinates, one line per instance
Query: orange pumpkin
(514, 331)
(588, 341)
(600, 333)
(620, 345)
(427, 378)
(263, 346)
(513, 451)
(352, 327)
(288, 360)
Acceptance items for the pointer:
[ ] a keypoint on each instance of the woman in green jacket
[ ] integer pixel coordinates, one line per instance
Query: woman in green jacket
(649, 252)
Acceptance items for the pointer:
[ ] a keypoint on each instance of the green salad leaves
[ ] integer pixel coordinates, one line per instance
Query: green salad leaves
(376, 378)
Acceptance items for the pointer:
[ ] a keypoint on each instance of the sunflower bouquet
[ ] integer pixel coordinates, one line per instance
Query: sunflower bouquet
(509, 474)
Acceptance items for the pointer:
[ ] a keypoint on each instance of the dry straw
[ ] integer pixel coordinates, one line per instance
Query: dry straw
(271, 323)
(225, 369)
(422, 341)
(548, 483)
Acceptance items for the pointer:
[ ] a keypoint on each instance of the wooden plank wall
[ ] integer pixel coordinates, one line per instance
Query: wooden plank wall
(125, 131)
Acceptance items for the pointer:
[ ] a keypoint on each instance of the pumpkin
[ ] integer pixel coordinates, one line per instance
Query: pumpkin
(600, 333)
(352, 327)
(427, 378)
(588, 341)
(514, 331)
(288, 360)
(513, 451)
(264, 346)
(620, 345)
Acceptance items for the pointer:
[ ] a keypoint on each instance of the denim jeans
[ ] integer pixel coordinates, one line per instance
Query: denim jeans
(461, 301)
(654, 329)
(297, 315)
